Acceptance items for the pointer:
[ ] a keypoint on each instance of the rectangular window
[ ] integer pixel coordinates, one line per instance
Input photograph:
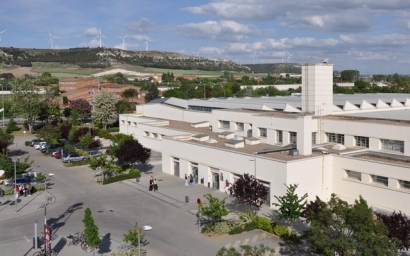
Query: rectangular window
(155, 135)
(293, 138)
(404, 184)
(362, 141)
(239, 126)
(146, 134)
(279, 137)
(380, 180)
(354, 175)
(224, 124)
(336, 138)
(313, 138)
(263, 133)
(393, 145)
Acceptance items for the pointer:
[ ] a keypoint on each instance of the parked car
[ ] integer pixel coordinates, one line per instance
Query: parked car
(8, 182)
(39, 144)
(73, 157)
(35, 141)
(57, 150)
(49, 148)
(58, 154)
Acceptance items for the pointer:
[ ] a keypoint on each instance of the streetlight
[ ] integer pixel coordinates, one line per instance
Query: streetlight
(145, 228)
(253, 160)
(45, 197)
(15, 182)
(2, 101)
(89, 129)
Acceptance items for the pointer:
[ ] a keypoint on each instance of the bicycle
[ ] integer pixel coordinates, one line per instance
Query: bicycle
(74, 238)
(44, 252)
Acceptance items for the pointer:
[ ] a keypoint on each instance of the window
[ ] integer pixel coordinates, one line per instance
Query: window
(393, 145)
(380, 180)
(146, 134)
(404, 184)
(279, 137)
(263, 133)
(239, 126)
(155, 135)
(335, 137)
(293, 138)
(354, 175)
(313, 138)
(129, 122)
(362, 141)
(224, 124)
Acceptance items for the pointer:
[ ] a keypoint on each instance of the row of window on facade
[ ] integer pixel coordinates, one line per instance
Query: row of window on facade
(377, 179)
(361, 141)
(129, 123)
(153, 135)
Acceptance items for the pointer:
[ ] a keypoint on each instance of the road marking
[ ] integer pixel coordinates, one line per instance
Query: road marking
(227, 246)
(28, 240)
(246, 241)
(236, 245)
(255, 238)
(263, 236)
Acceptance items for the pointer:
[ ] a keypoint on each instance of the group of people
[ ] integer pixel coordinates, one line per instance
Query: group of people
(153, 184)
(23, 189)
(189, 180)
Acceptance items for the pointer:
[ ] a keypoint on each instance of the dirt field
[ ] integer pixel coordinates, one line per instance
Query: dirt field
(20, 71)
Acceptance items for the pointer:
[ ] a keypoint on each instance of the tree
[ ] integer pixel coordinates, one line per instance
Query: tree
(104, 107)
(49, 133)
(81, 107)
(26, 100)
(248, 190)
(129, 93)
(248, 250)
(124, 106)
(12, 126)
(131, 151)
(349, 75)
(343, 229)
(152, 93)
(91, 230)
(215, 210)
(399, 228)
(6, 139)
(50, 85)
(290, 205)
(132, 236)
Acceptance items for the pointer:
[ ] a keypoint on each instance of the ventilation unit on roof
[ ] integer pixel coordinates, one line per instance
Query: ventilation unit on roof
(293, 152)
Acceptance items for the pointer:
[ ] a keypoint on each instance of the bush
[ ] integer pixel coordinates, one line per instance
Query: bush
(264, 223)
(131, 252)
(39, 187)
(79, 163)
(114, 129)
(27, 143)
(250, 226)
(105, 134)
(236, 231)
(8, 191)
(281, 231)
(70, 148)
(293, 237)
(131, 175)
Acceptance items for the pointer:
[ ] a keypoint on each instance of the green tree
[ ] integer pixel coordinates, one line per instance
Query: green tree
(350, 75)
(247, 250)
(26, 100)
(215, 210)
(291, 205)
(124, 106)
(12, 126)
(129, 93)
(81, 107)
(248, 190)
(132, 236)
(152, 93)
(343, 229)
(91, 230)
(104, 107)
(6, 139)
(50, 133)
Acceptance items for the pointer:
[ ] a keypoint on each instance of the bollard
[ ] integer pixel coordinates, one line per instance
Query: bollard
(186, 199)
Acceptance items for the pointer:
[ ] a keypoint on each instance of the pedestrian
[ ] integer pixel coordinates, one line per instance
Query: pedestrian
(155, 185)
(186, 180)
(227, 187)
(194, 179)
(28, 189)
(23, 189)
(191, 180)
(17, 189)
(151, 183)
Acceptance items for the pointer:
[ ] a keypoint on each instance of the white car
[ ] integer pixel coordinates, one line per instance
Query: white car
(40, 144)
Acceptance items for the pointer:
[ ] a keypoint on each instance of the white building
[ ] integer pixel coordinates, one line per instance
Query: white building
(349, 145)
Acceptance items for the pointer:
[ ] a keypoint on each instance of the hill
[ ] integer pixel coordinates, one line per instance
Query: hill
(275, 68)
(109, 57)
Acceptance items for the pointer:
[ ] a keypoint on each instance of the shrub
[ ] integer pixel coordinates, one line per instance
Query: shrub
(68, 147)
(8, 191)
(95, 144)
(131, 252)
(281, 231)
(236, 231)
(131, 175)
(81, 152)
(79, 163)
(250, 226)
(27, 143)
(113, 129)
(222, 227)
(105, 134)
(264, 223)
(246, 217)
(39, 187)
(85, 140)
(292, 237)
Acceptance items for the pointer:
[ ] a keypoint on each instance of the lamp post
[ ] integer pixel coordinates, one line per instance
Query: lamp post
(45, 198)
(15, 182)
(89, 128)
(254, 161)
(145, 228)
(2, 101)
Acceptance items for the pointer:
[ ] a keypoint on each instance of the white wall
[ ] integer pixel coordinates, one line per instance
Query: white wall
(379, 196)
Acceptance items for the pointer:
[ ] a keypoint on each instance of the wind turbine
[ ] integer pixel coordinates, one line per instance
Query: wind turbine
(123, 41)
(254, 56)
(181, 51)
(146, 42)
(289, 56)
(51, 40)
(197, 53)
(283, 55)
(100, 35)
(2, 33)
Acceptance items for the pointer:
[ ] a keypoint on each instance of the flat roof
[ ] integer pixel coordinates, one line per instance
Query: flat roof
(403, 115)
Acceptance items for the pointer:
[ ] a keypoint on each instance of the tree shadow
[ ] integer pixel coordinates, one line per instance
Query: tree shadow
(17, 152)
(56, 223)
(105, 244)
(146, 168)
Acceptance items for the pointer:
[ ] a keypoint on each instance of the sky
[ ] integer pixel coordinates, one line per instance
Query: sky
(372, 36)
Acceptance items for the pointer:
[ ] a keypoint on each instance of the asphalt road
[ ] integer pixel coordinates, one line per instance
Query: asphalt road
(115, 207)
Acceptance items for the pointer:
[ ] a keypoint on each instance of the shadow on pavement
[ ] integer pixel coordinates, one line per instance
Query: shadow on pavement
(105, 244)
(56, 223)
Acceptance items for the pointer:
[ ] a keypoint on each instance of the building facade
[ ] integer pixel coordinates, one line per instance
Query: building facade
(350, 145)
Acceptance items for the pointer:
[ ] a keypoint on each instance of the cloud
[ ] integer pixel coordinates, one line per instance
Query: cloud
(224, 30)
(144, 25)
(91, 32)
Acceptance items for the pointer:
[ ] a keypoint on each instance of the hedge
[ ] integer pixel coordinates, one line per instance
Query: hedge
(131, 175)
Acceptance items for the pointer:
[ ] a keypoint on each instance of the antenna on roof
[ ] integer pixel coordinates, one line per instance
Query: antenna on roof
(325, 60)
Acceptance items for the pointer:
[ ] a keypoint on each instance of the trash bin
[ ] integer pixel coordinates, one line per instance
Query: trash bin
(186, 199)
(137, 180)
(1, 192)
(209, 184)
(202, 181)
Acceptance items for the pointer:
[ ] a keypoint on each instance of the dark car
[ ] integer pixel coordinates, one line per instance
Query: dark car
(49, 148)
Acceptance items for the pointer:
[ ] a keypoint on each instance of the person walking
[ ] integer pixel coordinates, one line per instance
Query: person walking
(191, 180)
(186, 180)
(151, 183)
(155, 185)
(28, 189)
